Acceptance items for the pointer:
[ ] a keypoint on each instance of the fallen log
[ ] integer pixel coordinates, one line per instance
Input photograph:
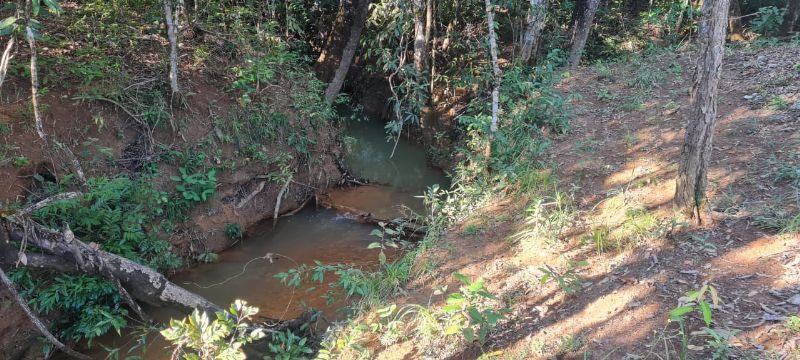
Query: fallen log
(142, 282)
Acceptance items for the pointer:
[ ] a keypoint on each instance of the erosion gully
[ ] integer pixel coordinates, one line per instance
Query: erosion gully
(313, 234)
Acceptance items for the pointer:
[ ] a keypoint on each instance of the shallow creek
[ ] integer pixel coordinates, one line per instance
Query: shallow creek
(324, 235)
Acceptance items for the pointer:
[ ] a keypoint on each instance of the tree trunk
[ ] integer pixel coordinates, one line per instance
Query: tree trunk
(6, 59)
(37, 116)
(696, 152)
(495, 66)
(328, 60)
(581, 29)
(735, 19)
(173, 46)
(791, 18)
(428, 21)
(535, 24)
(349, 52)
(142, 282)
(419, 38)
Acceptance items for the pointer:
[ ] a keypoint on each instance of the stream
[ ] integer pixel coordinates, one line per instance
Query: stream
(325, 235)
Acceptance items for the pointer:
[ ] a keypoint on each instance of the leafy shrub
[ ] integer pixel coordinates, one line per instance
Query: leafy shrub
(87, 306)
(116, 213)
(285, 345)
(233, 231)
(768, 20)
(197, 187)
(199, 338)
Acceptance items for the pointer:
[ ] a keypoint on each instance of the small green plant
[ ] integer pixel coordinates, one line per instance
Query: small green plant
(197, 187)
(779, 103)
(569, 280)
(694, 301)
(199, 338)
(603, 94)
(20, 161)
(634, 104)
(472, 229)
(793, 324)
(285, 345)
(599, 237)
(602, 69)
(233, 231)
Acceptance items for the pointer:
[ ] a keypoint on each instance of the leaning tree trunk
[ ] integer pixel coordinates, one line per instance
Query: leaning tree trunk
(535, 24)
(172, 36)
(696, 151)
(349, 52)
(419, 37)
(495, 66)
(581, 29)
(791, 18)
(143, 283)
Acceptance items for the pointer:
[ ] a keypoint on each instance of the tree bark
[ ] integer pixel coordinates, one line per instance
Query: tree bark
(6, 59)
(172, 36)
(142, 282)
(428, 21)
(696, 152)
(734, 18)
(328, 62)
(37, 116)
(349, 52)
(419, 37)
(535, 23)
(495, 66)
(791, 18)
(581, 29)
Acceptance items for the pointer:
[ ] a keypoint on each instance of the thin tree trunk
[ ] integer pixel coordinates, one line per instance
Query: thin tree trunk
(734, 18)
(791, 18)
(495, 66)
(37, 116)
(349, 52)
(428, 21)
(582, 27)
(172, 36)
(535, 23)
(6, 59)
(696, 152)
(419, 37)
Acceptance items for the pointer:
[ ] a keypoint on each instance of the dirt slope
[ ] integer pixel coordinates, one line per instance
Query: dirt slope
(618, 166)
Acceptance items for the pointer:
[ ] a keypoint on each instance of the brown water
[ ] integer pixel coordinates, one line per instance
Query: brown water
(324, 235)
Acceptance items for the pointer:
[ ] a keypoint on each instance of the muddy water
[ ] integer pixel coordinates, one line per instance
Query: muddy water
(246, 272)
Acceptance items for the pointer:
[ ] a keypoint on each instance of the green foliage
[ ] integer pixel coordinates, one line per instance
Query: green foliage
(699, 301)
(779, 103)
(569, 280)
(285, 345)
(768, 20)
(87, 306)
(793, 324)
(199, 338)
(196, 187)
(233, 231)
(20, 161)
(117, 214)
(467, 313)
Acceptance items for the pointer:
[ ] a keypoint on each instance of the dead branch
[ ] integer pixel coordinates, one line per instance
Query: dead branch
(6, 59)
(47, 202)
(253, 194)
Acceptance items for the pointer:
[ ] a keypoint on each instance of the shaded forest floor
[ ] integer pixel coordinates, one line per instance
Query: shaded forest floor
(613, 209)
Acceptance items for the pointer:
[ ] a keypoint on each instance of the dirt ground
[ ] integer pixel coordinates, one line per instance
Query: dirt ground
(620, 158)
